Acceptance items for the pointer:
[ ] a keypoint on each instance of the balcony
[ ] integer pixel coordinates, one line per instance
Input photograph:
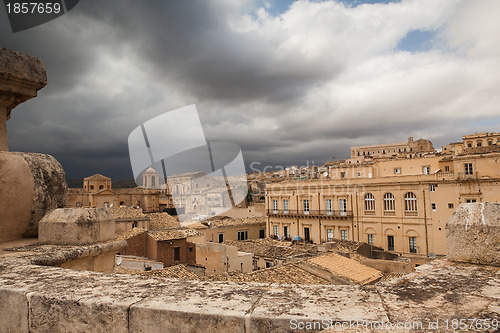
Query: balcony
(466, 175)
(411, 213)
(445, 175)
(310, 213)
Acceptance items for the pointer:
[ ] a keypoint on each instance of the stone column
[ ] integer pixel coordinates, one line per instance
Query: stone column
(30, 184)
(21, 76)
(4, 146)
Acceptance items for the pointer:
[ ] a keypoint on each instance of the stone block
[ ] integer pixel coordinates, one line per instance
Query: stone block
(75, 314)
(473, 234)
(13, 310)
(77, 226)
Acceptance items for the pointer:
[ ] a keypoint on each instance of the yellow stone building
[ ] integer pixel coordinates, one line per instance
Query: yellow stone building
(398, 203)
(97, 192)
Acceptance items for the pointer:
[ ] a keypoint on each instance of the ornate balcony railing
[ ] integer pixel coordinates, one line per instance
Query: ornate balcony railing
(315, 213)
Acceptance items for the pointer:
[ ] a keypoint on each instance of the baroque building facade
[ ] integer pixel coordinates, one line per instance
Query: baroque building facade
(401, 204)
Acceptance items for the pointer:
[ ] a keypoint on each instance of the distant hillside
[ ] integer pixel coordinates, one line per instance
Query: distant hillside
(122, 183)
(75, 182)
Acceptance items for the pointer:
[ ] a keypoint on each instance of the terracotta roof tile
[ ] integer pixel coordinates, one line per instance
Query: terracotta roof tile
(168, 234)
(172, 272)
(131, 233)
(347, 268)
(283, 274)
(163, 221)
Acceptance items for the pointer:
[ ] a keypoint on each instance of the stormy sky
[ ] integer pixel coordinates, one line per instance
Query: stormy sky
(290, 82)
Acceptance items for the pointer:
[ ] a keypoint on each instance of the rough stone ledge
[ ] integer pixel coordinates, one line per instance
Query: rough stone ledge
(74, 253)
(48, 299)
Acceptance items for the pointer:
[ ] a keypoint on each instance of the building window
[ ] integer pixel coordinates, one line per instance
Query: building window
(397, 171)
(190, 249)
(390, 243)
(470, 200)
(328, 205)
(433, 205)
(275, 206)
(343, 234)
(447, 168)
(91, 187)
(78, 204)
(426, 170)
(342, 174)
(479, 143)
(177, 253)
(285, 206)
(329, 235)
(262, 233)
(221, 237)
(134, 224)
(469, 144)
(370, 239)
(269, 264)
(305, 204)
(388, 202)
(275, 230)
(450, 205)
(413, 244)
(358, 174)
(432, 187)
(468, 168)
(410, 202)
(307, 234)
(286, 231)
(490, 143)
(101, 187)
(243, 234)
(106, 204)
(369, 202)
(343, 207)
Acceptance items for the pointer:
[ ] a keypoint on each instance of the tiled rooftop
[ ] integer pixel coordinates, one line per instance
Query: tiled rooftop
(347, 268)
(282, 274)
(266, 247)
(131, 233)
(126, 213)
(224, 221)
(162, 221)
(172, 272)
(163, 235)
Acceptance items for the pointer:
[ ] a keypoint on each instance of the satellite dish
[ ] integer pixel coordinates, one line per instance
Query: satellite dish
(118, 261)
(325, 174)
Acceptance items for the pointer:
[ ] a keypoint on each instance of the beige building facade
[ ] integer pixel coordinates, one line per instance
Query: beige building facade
(399, 204)
(97, 192)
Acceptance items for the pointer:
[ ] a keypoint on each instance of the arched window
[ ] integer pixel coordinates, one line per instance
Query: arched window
(101, 187)
(369, 202)
(389, 202)
(91, 187)
(153, 181)
(410, 202)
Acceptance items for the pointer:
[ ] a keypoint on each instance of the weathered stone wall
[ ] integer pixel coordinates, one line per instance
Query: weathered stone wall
(77, 226)
(473, 234)
(50, 188)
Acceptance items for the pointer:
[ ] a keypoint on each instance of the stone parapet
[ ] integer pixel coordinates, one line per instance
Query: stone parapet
(473, 234)
(37, 298)
(21, 76)
(30, 185)
(76, 226)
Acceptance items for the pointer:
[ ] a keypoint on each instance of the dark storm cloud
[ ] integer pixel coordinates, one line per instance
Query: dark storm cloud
(300, 87)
